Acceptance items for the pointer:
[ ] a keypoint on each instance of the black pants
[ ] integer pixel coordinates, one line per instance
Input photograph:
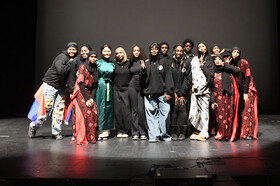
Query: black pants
(179, 115)
(139, 123)
(122, 111)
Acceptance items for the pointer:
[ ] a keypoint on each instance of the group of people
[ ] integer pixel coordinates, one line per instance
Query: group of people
(155, 98)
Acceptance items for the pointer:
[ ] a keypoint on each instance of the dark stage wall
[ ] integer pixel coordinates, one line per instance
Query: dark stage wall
(251, 25)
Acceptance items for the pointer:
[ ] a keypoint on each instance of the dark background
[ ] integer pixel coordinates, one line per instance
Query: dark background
(34, 32)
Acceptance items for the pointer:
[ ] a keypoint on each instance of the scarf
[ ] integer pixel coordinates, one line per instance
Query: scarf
(226, 82)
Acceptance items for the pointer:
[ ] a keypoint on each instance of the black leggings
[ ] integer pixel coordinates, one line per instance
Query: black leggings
(139, 124)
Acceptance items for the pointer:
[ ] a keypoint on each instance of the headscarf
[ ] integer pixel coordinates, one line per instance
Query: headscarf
(91, 67)
(226, 82)
(238, 62)
(206, 53)
(212, 47)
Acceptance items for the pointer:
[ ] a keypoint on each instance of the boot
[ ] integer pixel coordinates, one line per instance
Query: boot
(174, 131)
(182, 131)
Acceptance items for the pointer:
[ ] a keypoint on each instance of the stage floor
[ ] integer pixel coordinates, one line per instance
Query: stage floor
(127, 162)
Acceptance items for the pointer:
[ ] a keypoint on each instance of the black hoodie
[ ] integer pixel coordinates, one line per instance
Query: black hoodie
(157, 77)
(58, 73)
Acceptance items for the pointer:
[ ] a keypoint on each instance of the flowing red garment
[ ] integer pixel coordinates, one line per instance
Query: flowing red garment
(226, 117)
(249, 126)
(84, 118)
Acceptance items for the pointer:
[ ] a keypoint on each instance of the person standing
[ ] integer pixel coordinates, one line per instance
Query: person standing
(84, 107)
(164, 48)
(104, 93)
(188, 45)
(202, 79)
(80, 59)
(136, 96)
(248, 103)
(223, 99)
(51, 96)
(158, 89)
(122, 78)
(181, 73)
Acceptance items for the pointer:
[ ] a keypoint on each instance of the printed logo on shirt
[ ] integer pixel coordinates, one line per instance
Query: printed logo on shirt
(160, 67)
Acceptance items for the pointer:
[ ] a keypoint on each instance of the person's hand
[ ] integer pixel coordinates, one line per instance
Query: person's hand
(176, 98)
(71, 96)
(89, 103)
(214, 106)
(143, 66)
(245, 97)
(167, 97)
(77, 74)
(201, 59)
(228, 60)
(182, 100)
(192, 89)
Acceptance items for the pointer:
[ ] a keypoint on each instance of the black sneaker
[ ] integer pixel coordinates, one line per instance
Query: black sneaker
(182, 137)
(174, 137)
(31, 132)
(58, 137)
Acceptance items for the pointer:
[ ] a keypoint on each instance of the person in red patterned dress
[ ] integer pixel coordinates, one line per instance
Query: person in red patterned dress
(223, 98)
(84, 106)
(248, 111)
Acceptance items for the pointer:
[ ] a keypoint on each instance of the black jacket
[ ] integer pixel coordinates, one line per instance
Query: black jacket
(182, 76)
(157, 77)
(58, 73)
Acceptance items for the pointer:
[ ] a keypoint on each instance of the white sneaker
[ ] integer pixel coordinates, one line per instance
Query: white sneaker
(120, 135)
(135, 137)
(125, 135)
(143, 137)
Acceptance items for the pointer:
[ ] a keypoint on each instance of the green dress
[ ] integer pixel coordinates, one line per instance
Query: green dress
(104, 95)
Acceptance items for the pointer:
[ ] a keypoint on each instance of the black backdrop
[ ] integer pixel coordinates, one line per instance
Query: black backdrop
(251, 25)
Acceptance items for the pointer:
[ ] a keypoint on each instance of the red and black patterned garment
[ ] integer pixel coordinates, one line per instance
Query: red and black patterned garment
(225, 110)
(84, 118)
(249, 120)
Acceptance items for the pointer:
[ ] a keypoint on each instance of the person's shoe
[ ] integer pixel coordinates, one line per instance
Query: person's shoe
(58, 137)
(143, 137)
(201, 137)
(120, 135)
(135, 137)
(182, 137)
(73, 138)
(194, 136)
(153, 140)
(166, 137)
(174, 137)
(31, 132)
(124, 135)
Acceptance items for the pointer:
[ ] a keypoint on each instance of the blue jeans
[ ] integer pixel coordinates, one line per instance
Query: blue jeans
(157, 111)
(54, 105)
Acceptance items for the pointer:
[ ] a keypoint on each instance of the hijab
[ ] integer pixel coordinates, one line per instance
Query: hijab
(91, 67)
(226, 81)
